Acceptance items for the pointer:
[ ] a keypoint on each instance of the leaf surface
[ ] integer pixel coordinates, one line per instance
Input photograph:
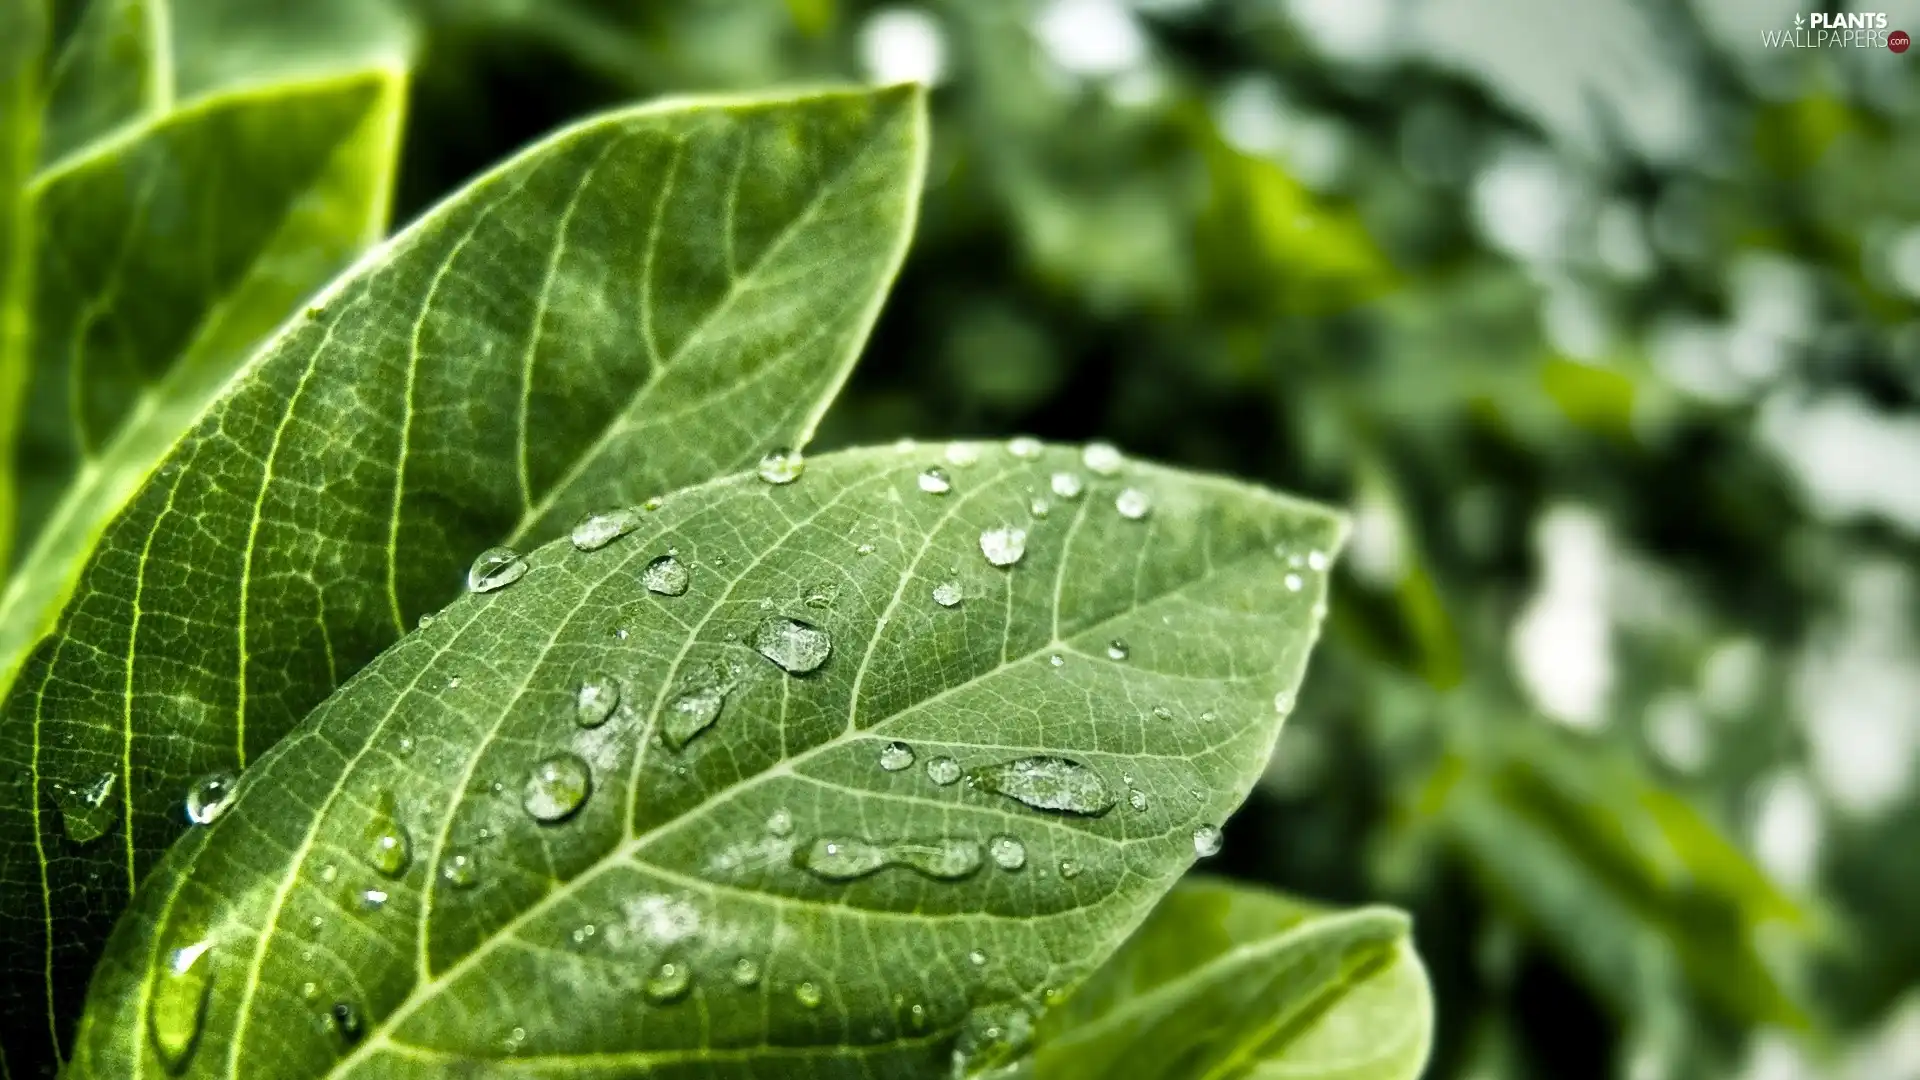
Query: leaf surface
(836, 873)
(112, 68)
(23, 39)
(644, 300)
(1225, 981)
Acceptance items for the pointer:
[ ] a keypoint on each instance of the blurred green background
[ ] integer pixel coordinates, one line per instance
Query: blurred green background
(1602, 316)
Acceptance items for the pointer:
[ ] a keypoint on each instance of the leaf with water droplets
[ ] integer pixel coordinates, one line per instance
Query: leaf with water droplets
(1229, 981)
(643, 301)
(792, 830)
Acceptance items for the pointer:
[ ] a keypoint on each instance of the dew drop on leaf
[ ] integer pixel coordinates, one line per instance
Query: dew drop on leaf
(782, 466)
(556, 788)
(962, 454)
(385, 843)
(495, 568)
(1161, 712)
(210, 795)
(1056, 660)
(1206, 841)
(691, 713)
(595, 701)
(1067, 485)
(934, 481)
(600, 528)
(1102, 458)
(993, 1035)
(1118, 649)
(780, 822)
(1024, 447)
(943, 770)
(838, 859)
(1007, 853)
(841, 859)
(796, 646)
(1133, 504)
(669, 982)
(1137, 799)
(1317, 560)
(746, 972)
(346, 1020)
(85, 813)
(863, 549)
(178, 1009)
(947, 594)
(1069, 869)
(373, 899)
(1283, 702)
(666, 576)
(947, 860)
(1003, 546)
(896, 756)
(460, 870)
(1039, 507)
(807, 994)
(977, 958)
(1047, 783)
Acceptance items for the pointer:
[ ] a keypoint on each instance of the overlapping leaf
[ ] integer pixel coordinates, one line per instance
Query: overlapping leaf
(927, 768)
(23, 33)
(113, 68)
(1225, 981)
(647, 299)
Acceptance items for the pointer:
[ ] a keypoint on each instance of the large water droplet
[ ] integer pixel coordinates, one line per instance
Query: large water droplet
(943, 771)
(1118, 649)
(807, 994)
(595, 701)
(209, 796)
(666, 576)
(598, 529)
(839, 859)
(177, 1011)
(1102, 458)
(746, 972)
(1007, 853)
(896, 756)
(935, 481)
(1133, 504)
(782, 466)
(495, 568)
(796, 646)
(556, 788)
(1206, 841)
(1047, 783)
(947, 594)
(693, 712)
(85, 813)
(1067, 485)
(385, 842)
(460, 870)
(669, 982)
(1024, 447)
(1005, 545)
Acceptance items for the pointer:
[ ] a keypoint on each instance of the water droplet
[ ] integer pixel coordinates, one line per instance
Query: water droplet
(425, 621)
(693, 712)
(453, 683)
(780, 822)
(863, 549)
(178, 1009)
(746, 972)
(1069, 869)
(1132, 503)
(598, 529)
(994, 1035)
(896, 756)
(947, 594)
(977, 958)
(666, 576)
(329, 872)
(962, 454)
(1206, 841)
(385, 842)
(346, 1020)
(1317, 561)
(1137, 799)
(782, 466)
(653, 503)
(556, 788)
(1039, 507)
(796, 646)
(821, 595)
(495, 568)
(1102, 458)
(1056, 660)
(595, 701)
(1118, 650)
(1067, 485)
(807, 994)
(1007, 853)
(672, 979)
(1047, 783)
(1294, 583)
(209, 796)
(1161, 712)
(943, 771)
(846, 859)
(85, 813)
(460, 870)
(935, 481)
(1024, 447)
(373, 899)
(1283, 702)
(1004, 546)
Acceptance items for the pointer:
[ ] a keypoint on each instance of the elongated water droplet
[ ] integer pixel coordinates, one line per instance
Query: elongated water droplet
(178, 1009)
(943, 771)
(385, 842)
(1206, 841)
(935, 481)
(947, 594)
(842, 859)
(693, 712)
(838, 859)
(1161, 712)
(666, 576)
(1047, 783)
(595, 701)
(495, 568)
(807, 994)
(1007, 853)
(556, 788)
(796, 646)
(1067, 485)
(782, 466)
(780, 822)
(1137, 799)
(85, 813)
(669, 982)
(1024, 447)
(373, 899)
(1102, 458)
(1133, 504)
(1005, 545)
(746, 972)
(460, 870)
(946, 860)
(896, 756)
(597, 530)
(1118, 649)
(209, 796)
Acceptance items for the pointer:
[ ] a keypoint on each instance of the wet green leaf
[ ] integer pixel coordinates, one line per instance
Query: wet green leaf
(815, 835)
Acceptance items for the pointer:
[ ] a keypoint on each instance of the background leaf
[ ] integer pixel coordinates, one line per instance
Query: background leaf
(23, 33)
(112, 65)
(1226, 981)
(587, 897)
(639, 302)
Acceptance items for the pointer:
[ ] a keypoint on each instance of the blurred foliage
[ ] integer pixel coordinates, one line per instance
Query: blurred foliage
(1229, 234)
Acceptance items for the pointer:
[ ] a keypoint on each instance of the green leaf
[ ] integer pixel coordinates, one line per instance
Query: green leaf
(23, 34)
(225, 44)
(1225, 981)
(164, 256)
(642, 301)
(112, 69)
(596, 902)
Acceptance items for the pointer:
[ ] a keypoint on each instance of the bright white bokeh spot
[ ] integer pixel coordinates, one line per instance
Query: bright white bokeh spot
(1090, 37)
(1677, 732)
(1561, 644)
(1574, 322)
(1856, 689)
(1786, 828)
(1903, 261)
(1346, 29)
(1620, 242)
(1523, 203)
(1849, 459)
(1377, 552)
(903, 45)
